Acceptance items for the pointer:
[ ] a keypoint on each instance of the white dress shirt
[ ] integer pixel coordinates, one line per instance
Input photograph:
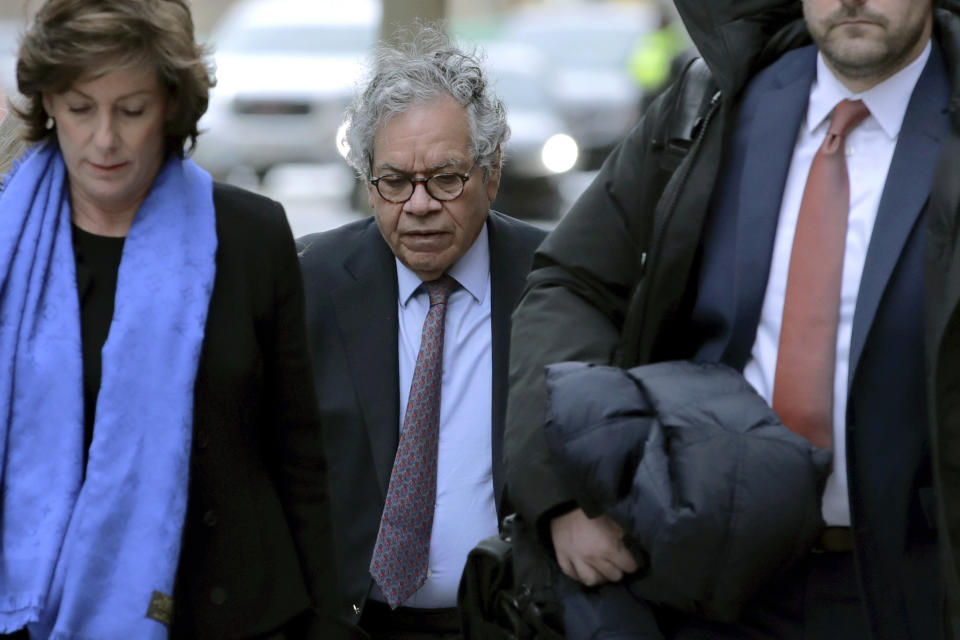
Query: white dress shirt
(870, 148)
(465, 511)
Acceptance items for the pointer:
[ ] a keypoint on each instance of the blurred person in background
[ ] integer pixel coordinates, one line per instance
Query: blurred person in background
(408, 319)
(162, 470)
(10, 142)
(660, 55)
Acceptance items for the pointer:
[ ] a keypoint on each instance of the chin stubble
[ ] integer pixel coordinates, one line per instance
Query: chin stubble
(894, 48)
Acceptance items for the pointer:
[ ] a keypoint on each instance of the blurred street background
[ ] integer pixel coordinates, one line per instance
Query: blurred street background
(574, 75)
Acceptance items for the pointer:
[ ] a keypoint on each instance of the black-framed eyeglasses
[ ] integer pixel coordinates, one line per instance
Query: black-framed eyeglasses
(398, 188)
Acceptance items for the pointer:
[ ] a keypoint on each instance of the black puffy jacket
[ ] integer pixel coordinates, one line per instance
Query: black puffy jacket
(715, 494)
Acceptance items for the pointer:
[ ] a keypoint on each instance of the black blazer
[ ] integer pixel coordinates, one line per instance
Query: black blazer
(351, 282)
(258, 485)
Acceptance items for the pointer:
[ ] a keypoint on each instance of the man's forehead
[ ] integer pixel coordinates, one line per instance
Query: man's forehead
(397, 164)
(429, 136)
(440, 119)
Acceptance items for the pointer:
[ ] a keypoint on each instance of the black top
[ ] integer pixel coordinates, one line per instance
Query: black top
(98, 259)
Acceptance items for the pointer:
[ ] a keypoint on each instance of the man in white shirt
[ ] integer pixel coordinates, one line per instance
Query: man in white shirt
(740, 263)
(413, 424)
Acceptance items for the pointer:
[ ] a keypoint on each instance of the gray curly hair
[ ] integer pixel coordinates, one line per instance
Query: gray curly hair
(421, 66)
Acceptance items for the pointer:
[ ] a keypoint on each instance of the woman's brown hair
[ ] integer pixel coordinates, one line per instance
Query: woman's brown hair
(70, 40)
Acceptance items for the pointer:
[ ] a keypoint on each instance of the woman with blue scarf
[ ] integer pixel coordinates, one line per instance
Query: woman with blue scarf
(161, 466)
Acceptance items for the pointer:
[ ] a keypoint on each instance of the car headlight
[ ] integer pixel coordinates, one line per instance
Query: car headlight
(342, 146)
(559, 153)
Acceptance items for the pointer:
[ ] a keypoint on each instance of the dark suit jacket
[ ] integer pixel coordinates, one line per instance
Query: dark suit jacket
(258, 486)
(585, 269)
(888, 457)
(351, 282)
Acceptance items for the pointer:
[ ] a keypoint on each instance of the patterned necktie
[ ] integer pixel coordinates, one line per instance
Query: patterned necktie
(399, 564)
(806, 359)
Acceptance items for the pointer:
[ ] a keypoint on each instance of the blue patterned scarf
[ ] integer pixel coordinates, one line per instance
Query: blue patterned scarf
(81, 558)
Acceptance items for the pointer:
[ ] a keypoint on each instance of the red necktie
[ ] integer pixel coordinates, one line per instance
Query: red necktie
(806, 358)
(402, 551)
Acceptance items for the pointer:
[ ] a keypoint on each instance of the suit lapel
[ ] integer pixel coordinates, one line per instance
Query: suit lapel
(366, 312)
(507, 277)
(774, 122)
(906, 191)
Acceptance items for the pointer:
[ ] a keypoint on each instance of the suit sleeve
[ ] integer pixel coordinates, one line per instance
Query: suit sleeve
(573, 308)
(299, 463)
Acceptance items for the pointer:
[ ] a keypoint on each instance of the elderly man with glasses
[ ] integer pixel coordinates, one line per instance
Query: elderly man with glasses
(408, 314)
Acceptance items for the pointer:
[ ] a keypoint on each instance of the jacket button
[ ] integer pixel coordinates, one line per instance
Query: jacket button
(201, 439)
(210, 518)
(218, 595)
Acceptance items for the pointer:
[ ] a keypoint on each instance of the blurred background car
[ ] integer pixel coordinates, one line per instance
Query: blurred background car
(539, 150)
(286, 70)
(588, 46)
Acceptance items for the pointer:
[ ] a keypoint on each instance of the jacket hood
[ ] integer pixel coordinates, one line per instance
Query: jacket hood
(737, 38)
(732, 35)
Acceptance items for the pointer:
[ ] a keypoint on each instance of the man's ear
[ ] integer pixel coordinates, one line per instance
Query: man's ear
(493, 176)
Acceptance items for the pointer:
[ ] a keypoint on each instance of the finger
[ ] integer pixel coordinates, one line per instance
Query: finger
(588, 575)
(623, 559)
(569, 565)
(610, 571)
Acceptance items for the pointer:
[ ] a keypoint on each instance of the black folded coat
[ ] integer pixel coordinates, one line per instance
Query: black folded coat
(715, 494)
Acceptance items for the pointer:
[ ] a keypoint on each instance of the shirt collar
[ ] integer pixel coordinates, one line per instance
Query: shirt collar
(471, 271)
(887, 101)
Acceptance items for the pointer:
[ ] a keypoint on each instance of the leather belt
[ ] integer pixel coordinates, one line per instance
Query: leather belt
(834, 540)
(378, 619)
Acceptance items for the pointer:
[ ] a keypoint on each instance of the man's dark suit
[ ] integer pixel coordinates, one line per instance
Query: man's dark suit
(704, 283)
(891, 495)
(350, 279)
